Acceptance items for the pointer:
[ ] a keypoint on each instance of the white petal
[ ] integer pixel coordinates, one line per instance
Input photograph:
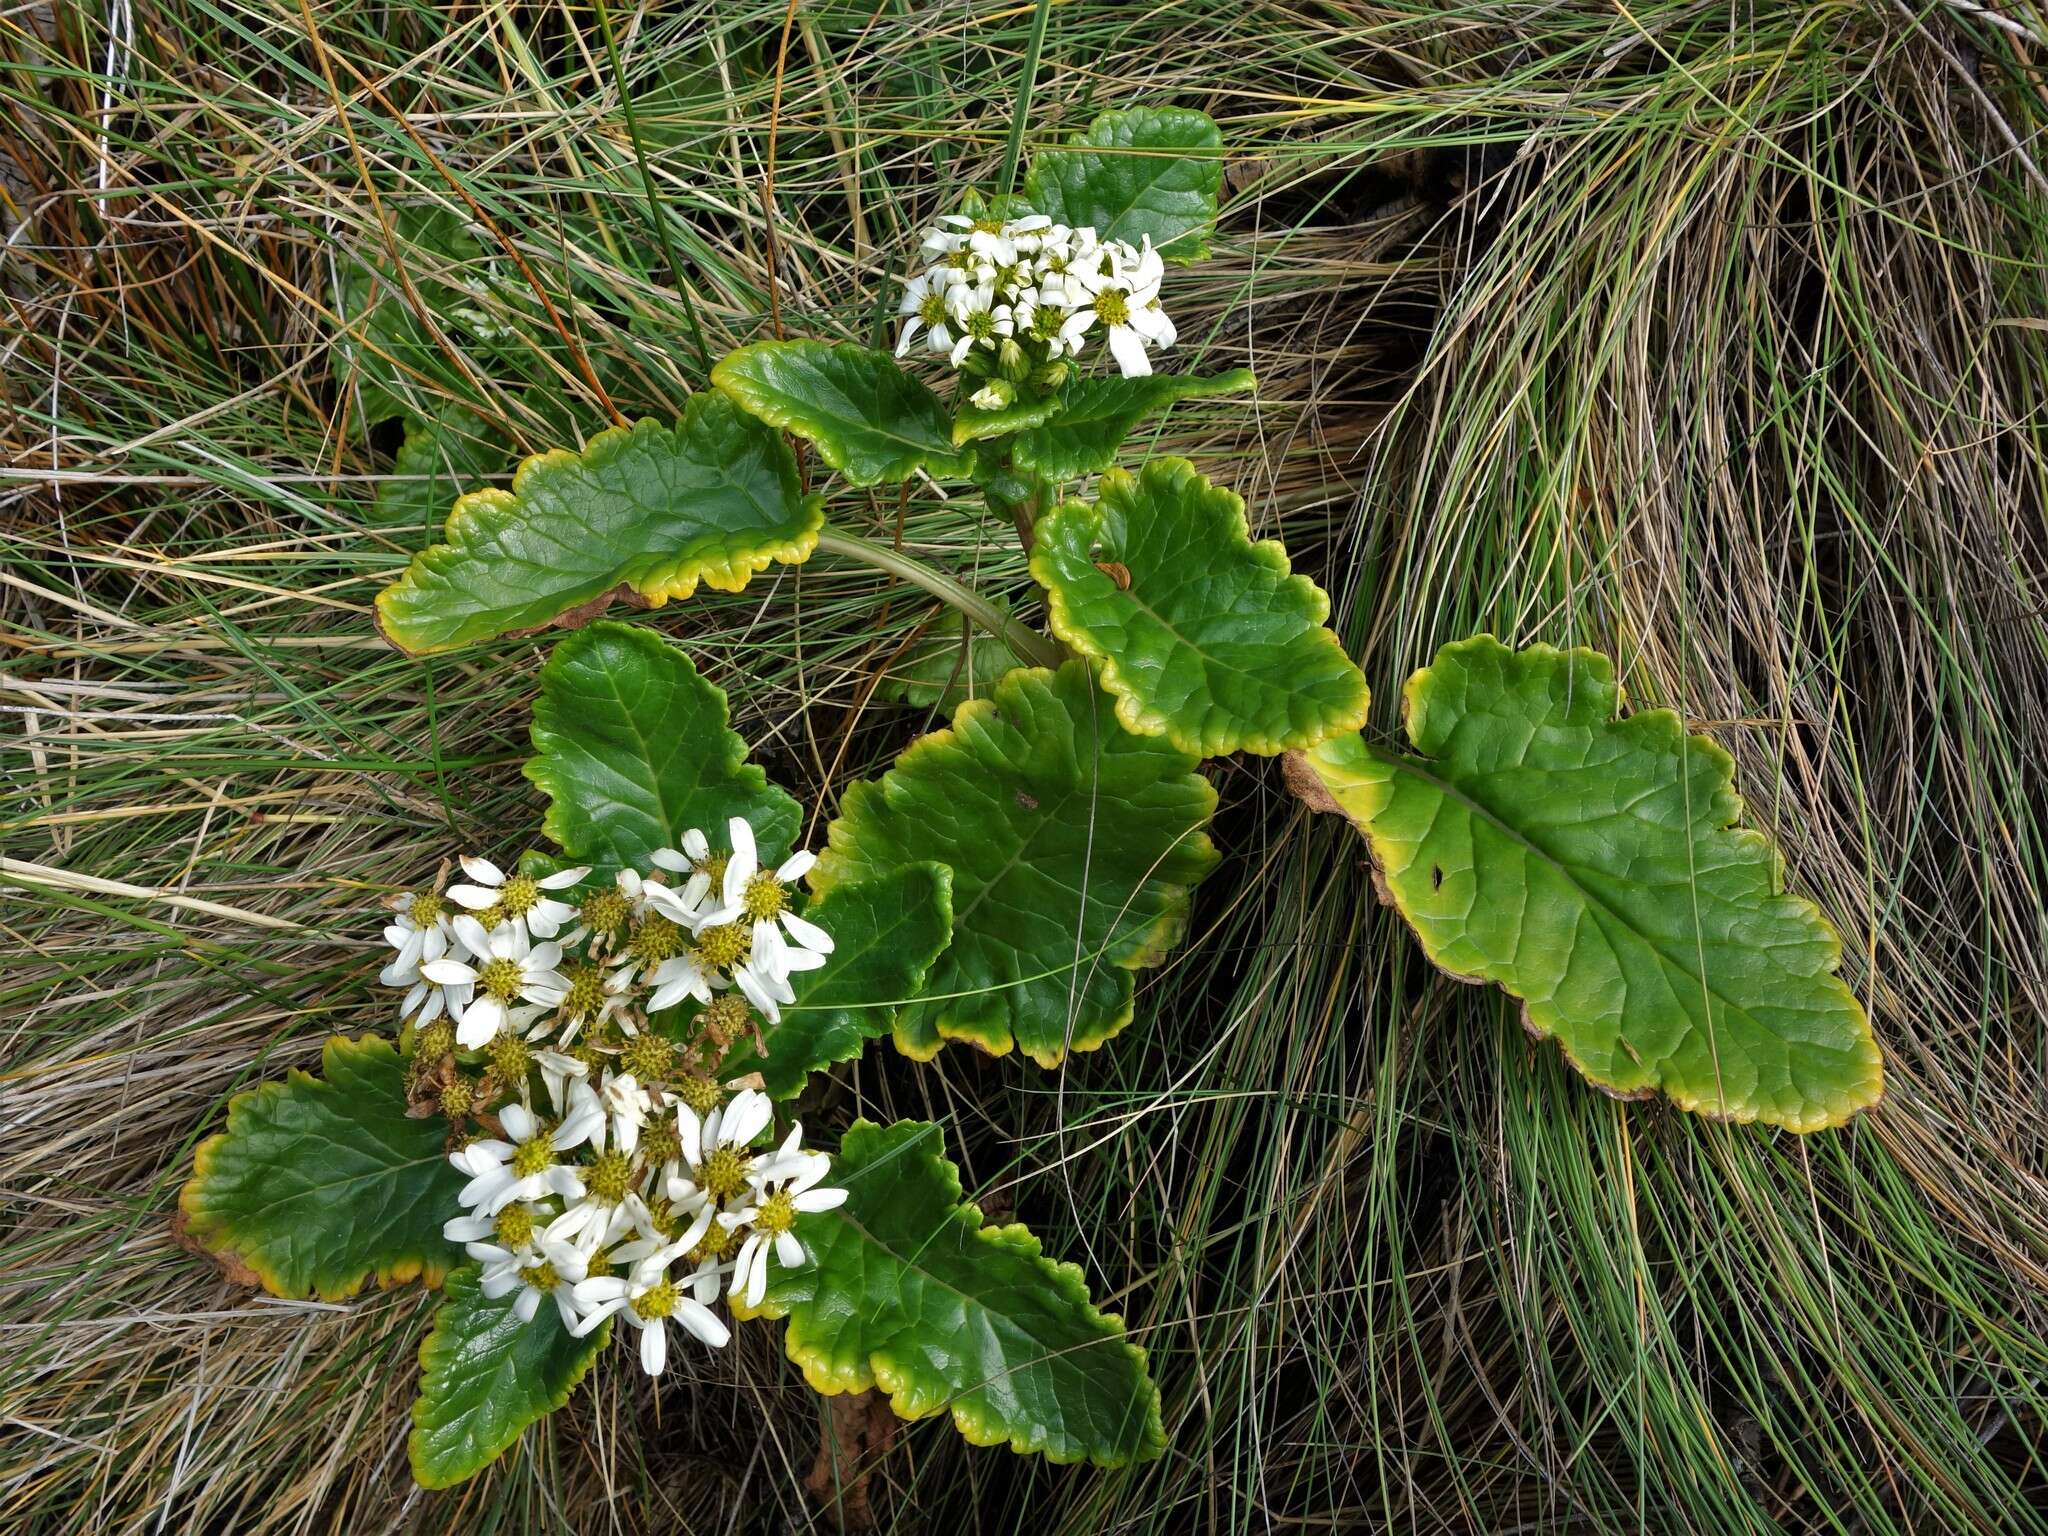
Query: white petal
(481, 1021)
(562, 879)
(808, 934)
(746, 1117)
(481, 869)
(473, 937)
(518, 1121)
(698, 1318)
(600, 1289)
(672, 860)
(790, 1251)
(743, 1265)
(815, 1200)
(447, 973)
(653, 1347)
(690, 1131)
(466, 1229)
(796, 866)
(527, 1304)
(757, 1282)
(758, 994)
(593, 1318)
(1129, 352)
(474, 897)
(497, 1284)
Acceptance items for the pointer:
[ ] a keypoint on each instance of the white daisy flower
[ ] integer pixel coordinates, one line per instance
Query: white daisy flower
(627, 1106)
(923, 307)
(524, 1168)
(678, 978)
(716, 1160)
(1123, 298)
(648, 1299)
(419, 930)
(762, 898)
(786, 1185)
(554, 1273)
(978, 321)
(514, 982)
(521, 898)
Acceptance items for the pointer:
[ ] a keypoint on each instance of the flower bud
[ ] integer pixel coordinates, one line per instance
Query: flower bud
(1011, 361)
(1051, 376)
(994, 395)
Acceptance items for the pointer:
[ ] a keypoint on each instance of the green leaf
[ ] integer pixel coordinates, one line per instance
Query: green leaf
(485, 1376)
(643, 512)
(971, 423)
(632, 748)
(444, 454)
(886, 933)
(1594, 867)
(1203, 635)
(1074, 847)
(908, 1291)
(319, 1183)
(1142, 171)
(949, 664)
(1099, 413)
(870, 420)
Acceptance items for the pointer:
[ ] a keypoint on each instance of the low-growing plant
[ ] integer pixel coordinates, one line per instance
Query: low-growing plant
(575, 1131)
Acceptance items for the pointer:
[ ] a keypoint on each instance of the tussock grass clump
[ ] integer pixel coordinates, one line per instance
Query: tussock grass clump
(1709, 338)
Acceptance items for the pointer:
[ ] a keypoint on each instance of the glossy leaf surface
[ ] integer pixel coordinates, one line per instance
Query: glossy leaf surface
(1141, 171)
(909, 1292)
(1204, 637)
(632, 748)
(485, 1376)
(867, 418)
(1074, 847)
(1595, 868)
(1097, 414)
(321, 1183)
(644, 513)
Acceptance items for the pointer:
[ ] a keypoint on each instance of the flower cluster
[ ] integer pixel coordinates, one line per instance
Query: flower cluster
(1009, 301)
(609, 1171)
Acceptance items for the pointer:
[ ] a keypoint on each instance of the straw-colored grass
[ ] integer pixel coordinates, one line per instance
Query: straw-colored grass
(1710, 334)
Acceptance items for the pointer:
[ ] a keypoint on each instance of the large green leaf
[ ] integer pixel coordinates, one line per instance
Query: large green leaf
(886, 933)
(644, 512)
(632, 748)
(1593, 866)
(444, 454)
(971, 423)
(485, 1376)
(319, 1183)
(908, 1291)
(1097, 414)
(869, 419)
(1142, 171)
(1073, 844)
(1203, 635)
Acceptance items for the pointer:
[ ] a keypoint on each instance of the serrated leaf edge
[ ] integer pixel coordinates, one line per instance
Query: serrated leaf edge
(475, 511)
(1067, 1278)
(197, 1225)
(1132, 712)
(1601, 670)
(1083, 141)
(603, 1335)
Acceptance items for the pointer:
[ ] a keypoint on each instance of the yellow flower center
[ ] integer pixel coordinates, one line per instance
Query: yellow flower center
(586, 993)
(700, 1093)
(988, 224)
(658, 1300)
(425, 910)
(765, 897)
(519, 895)
(725, 946)
(492, 916)
(435, 1041)
(533, 1155)
(501, 979)
(605, 911)
(458, 1094)
(712, 867)
(777, 1214)
(932, 311)
(608, 1176)
(510, 1059)
(724, 1176)
(541, 1276)
(668, 1221)
(660, 1144)
(1111, 307)
(723, 1019)
(980, 324)
(656, 939)
(515, 1226)
(648, 1058)
(716, 1243)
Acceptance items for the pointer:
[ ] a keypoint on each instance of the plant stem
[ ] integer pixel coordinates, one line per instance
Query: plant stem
(1027, 642)
(1007, 182)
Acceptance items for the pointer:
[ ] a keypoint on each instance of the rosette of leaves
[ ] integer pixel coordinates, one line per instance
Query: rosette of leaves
(1593, 865)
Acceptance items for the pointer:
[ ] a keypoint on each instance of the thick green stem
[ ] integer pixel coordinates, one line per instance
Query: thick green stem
(1027, 642)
